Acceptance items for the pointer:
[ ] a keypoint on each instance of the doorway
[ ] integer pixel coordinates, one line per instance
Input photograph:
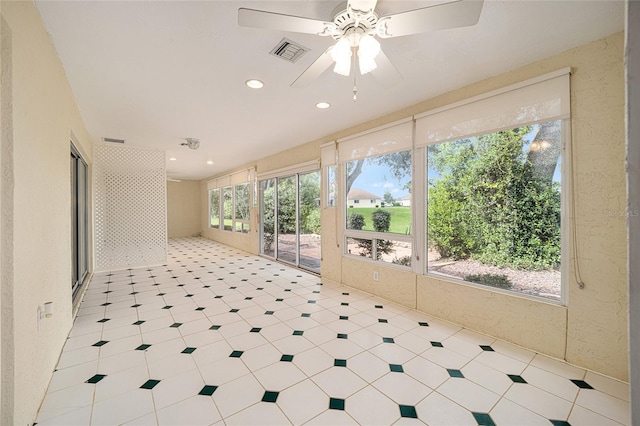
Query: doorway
(79, 220)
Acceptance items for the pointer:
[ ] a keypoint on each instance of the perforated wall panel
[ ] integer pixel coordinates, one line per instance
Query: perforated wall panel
(130, 207)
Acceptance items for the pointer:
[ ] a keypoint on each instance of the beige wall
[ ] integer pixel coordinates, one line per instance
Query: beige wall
(183, 208)
(591, 330)
(44, 118)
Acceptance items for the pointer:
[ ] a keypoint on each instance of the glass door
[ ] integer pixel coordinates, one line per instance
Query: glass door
(290, 219)
(309, 220)
(287, 220)
(79, 221)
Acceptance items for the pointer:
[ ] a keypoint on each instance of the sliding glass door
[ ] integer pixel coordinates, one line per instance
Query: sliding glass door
(290, 219)
(79, 221)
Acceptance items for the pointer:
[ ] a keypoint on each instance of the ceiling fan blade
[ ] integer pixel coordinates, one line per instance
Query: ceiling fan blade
(386, 73)
(362, 5)
(276, 21)
(314, 70)
(459, 13)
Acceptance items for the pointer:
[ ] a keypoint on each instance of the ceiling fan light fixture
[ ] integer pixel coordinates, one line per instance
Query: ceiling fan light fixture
(341, 54)
(368, 49)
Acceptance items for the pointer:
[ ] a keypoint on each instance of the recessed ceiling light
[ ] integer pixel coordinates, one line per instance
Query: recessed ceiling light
(254, 84)
(209, 162)
(323, 105)
(173, 159)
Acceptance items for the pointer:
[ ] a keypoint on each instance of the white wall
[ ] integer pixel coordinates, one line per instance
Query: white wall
(36, 208)
(183, 208)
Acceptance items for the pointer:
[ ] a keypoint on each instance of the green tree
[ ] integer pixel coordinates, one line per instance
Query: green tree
(388, 199)
(492, 204)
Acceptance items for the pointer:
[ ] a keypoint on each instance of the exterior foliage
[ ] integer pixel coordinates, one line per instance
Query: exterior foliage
(490, 204)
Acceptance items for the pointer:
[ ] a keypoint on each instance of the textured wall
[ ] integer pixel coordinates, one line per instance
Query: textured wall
(183, 208)
(44, 118)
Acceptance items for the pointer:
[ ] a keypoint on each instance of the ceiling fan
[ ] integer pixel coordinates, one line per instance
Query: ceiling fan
(356, 27)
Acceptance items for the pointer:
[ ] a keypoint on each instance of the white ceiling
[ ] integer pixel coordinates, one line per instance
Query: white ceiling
(156, 72)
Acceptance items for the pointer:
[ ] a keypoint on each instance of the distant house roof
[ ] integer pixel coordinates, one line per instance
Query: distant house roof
(359, 194)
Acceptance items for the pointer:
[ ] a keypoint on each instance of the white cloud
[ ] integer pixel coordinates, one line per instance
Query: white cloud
(388, 185)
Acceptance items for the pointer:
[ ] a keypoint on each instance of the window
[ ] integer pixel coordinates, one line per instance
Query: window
(494, 209)
(214, 208)
(241, 217)
(374, 231)
(227, 202)
(79, 221)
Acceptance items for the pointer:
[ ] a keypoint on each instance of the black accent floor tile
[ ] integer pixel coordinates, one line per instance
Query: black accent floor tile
(298, 332)
(388, 340)
(149, 384)
(143, 347)
(336, 404)
(486, 348)
(248, 298)
(342, 336)
(516, 378)
(455, 373)
(483, 419)
(207, 390)
(270, 396)
(408, 411)
(161, 294)
(200, 309)
(396, 368)
(560, 423)
(344, 304)
(168, 307)
(138, 322)
(236, 354)
(279, 300)
(96, 378)
(306, 315)
(100, 343)
(340, 362)
(218, 297)
(188, 350)
(255, 330)
(175, 325)
(344, 317)
(215, 327)
(234, 310)
(269, 313)
(104, 320)
(188, 295)
(582, 384)
(423, 324)
(311, 301)
(379, 307)
(106, 304)
(345, 294)
(382, 320)
(286, 358)
(437, 344)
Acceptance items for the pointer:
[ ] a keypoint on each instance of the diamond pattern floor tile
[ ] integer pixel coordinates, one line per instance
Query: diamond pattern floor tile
(219, 336)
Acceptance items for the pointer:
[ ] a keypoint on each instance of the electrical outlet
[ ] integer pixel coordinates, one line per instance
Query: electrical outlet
(375, 275)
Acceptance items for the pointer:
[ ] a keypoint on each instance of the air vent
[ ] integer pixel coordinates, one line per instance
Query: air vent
(113, 140)
(288, 50)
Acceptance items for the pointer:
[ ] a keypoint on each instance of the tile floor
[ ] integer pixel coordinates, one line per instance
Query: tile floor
(218, 336)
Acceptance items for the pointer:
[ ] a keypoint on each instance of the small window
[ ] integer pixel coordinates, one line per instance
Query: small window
(241, 217)
(214, 208)
(332, 185)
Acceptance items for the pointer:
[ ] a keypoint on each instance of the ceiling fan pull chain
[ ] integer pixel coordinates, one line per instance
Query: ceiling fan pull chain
(355, 88)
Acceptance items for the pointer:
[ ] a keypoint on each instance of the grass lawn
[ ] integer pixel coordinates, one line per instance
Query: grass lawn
(400, 218)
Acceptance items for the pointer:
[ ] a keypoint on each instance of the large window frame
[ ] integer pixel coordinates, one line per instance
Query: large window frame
(532, 102)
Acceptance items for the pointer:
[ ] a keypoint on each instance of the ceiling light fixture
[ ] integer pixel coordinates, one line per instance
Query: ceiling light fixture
(172, 159)
(323, 105)
(254, 84)
(209, 162)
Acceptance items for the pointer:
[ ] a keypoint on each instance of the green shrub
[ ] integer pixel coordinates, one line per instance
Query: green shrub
(381, 220)
(355, 221)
